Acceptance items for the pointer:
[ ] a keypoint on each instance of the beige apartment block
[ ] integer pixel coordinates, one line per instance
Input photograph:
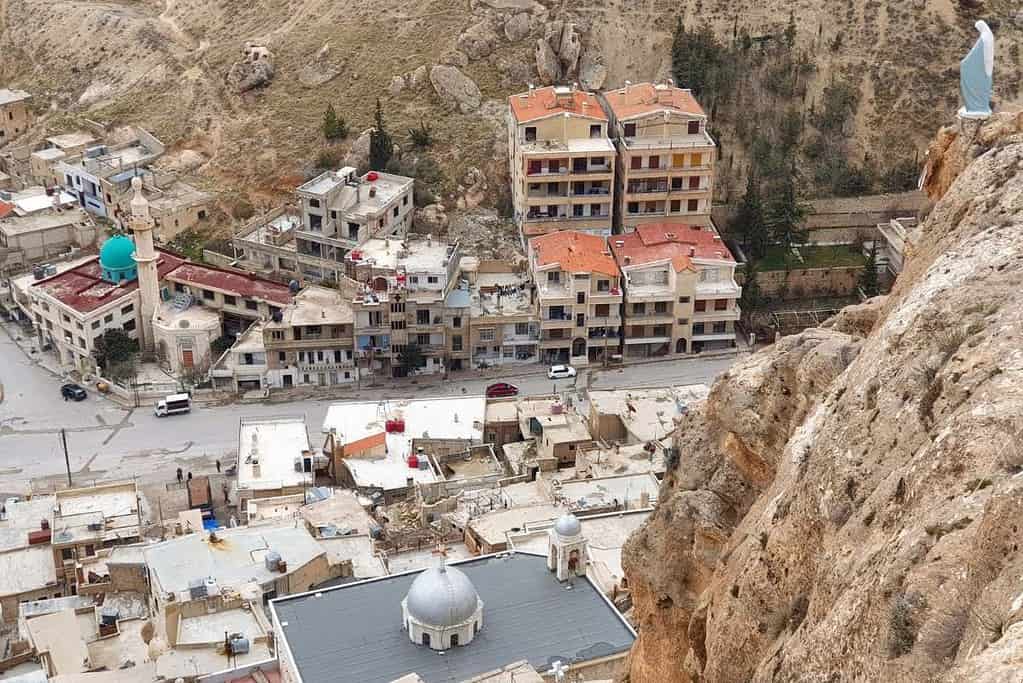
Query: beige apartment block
(665, 155)
(680, 290)
(562, 162)
(15, 116)
(578, 295)
(175, 206)
(504, 328)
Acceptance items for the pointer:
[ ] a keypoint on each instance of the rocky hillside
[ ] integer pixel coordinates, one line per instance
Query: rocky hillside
(846, 505)
(176, 66)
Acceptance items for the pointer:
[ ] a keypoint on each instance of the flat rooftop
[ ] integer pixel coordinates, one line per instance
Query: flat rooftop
(648, 414)
(316, 305)
(209, 629)
(580, 494)
(8, 96)
(439, 418)
(236, 558)
(67, 140)
(356, 628)
(269, 233)
(26, 569)
(273, 443)
(230, 282)
(413, 255)
(176, 195)
(341, 510)
(493, 527)
(22, 517)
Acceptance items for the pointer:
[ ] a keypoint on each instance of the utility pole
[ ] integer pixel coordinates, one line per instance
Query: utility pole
(67, 459)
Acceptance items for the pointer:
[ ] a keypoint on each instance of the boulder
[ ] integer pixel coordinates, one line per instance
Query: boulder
(517, 27)
(418, 78)
(455, 88)
(431, 220)
(478, 41)
(553, 34)
(592, 73)
(358, 155)
(396, 85)
(473, 189)
(548, 67)
(247, 75)
(570, 48)
(455, 58)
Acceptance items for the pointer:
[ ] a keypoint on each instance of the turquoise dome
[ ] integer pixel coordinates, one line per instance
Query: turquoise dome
(116, 259)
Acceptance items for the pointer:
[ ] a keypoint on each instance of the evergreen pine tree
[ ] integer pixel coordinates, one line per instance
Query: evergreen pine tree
(784, 215)
(751, 298)
(380, 145)
(868, 278)
(334, 127)
(749, 220)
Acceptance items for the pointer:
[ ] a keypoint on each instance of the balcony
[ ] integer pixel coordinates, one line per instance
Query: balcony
(651, 317)
(647, 189)
(607, 321)
(545, 217)
(733, 313)
(680, 143)
(613, 293)
(325, 366)
(685, 190)
(592, 192)
(557, 322)
(630, 340)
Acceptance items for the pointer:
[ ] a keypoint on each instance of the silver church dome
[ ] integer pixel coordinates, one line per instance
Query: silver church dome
(442, 597)
(568, 525)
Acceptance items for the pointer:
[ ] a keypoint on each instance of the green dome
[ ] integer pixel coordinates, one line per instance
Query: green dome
(117, 253)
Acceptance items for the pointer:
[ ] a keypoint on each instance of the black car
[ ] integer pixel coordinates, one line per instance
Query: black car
(73, 392)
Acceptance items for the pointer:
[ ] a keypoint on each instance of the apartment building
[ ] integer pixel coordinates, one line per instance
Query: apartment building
(311, 341)
(578, 295)
(562, 162)
(341, 210)
(410, 293)
(504, 328)
(43, 161)
(174, 206)
(665, 155)
(15, 116)
(679, 288)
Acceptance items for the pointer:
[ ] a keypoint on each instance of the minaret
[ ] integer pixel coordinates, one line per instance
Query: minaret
(145, 257)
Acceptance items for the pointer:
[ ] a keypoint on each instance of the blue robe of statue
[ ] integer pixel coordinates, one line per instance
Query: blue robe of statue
(975, 81)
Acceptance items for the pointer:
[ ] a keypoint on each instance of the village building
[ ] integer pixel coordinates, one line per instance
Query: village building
(578, 297)
(383, 447)
(184, 333)
(680, 290)
(174, 205)
(631, 416)
(15, 114)
(274, 458)
(341, 211)
(562, 163)
(266, 244)
(480, 612)
(504, 327)
(893, 241)
(243, 367)
(36, 226)
(311, 341)
(43, 161)
(666, 155)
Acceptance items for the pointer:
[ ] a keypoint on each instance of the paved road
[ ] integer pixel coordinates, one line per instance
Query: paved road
(107, 441)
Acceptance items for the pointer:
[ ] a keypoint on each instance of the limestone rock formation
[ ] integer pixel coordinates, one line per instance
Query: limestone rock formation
(558, 54)
(473, 189)
(358, 154)
(396, 85)
(517, 27)
(254, 70)
(846, 503)
(569, 49)
(455, 88)
(418, 78)
(548, 66)
(478, 41)
(592, 72)
(431, 220)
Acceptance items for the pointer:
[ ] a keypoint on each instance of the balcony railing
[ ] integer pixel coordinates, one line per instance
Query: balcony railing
(647, 189)
(543, 217)
(592, 192)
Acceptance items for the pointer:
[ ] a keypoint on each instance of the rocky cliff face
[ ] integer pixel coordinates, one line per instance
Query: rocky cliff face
(846, 505)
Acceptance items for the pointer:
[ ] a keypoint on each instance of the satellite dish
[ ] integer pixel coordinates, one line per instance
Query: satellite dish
(293, 286)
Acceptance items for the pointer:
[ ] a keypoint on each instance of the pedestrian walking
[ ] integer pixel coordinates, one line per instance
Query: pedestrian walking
(180, 475)
(226, 497)
(189, 476)
(218, 467)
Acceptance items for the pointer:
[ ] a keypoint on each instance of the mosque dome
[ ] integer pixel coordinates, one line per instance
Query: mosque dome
(568, 525)
(116, 259)
(442, 597)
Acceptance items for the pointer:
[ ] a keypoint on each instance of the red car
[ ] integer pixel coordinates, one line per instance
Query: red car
(502, 389)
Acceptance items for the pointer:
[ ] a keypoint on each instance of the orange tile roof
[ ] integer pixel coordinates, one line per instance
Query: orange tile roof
(366, 443)
(663, 241)
(644, 98)
(5, 209)
(575, 252)
(542, 102)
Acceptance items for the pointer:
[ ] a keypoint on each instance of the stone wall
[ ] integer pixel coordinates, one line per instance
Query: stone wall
(796, 284)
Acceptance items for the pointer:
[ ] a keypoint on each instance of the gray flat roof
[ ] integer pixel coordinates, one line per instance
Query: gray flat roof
(527, 615)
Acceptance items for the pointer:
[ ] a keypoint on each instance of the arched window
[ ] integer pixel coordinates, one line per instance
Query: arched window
(454, 640)
(426, 639)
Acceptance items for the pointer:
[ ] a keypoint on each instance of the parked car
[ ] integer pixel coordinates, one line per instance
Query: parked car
(73, 392)
(560, 372)
(501, 389)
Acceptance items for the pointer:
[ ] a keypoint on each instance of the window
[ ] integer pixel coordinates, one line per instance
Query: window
(397, 324)
(676, 183)
(486, 334)
(661, 307)
(282, 357)
(375, 318)
(521, 329)
(580, 320)
(693, 205)
(301, 356)
(81, 342)
(65, 318)
(696, 160)
(694, 127)
(129, 326)
(456, 321)
(530, 133)
(595, 210)
(595, 131)
(603, 285)
(456, 342)
(639, 309)
(683, 321)
(397, 308)
(602, 310)
(683, 299)
(95, 325)
(660, 331)
(90, 550)
(423, 339)
(395, 211)
(676, 205)
(277, 335)
(721, 304)
(230, 300)
(636, 163)
(719, 328)
(432, 280)
(67, 553)
(698, 328)
(315, 203)
(655, 161)
(630, 130)
(633, 207)
(700, 306)
(422, 317)
(404, 200)
(577, 210)
(178, 287)
(414, 279)
(580, 297)
(554, 276)
(694, 182)
(454, 640)
(202, 214)
(251, 305)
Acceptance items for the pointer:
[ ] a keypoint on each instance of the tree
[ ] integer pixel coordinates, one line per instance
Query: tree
(868, 282)
(380, 146)
(751, 298)
(411, 358)
(749, 220)
(334, 127)
(698, 61)
(421, 136)
(115, 352)
(784, 214)
(789, 37)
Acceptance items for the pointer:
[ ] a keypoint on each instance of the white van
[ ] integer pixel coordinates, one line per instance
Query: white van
(173, 404)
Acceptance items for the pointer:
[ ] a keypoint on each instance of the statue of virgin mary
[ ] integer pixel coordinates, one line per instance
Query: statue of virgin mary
(976, 73)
